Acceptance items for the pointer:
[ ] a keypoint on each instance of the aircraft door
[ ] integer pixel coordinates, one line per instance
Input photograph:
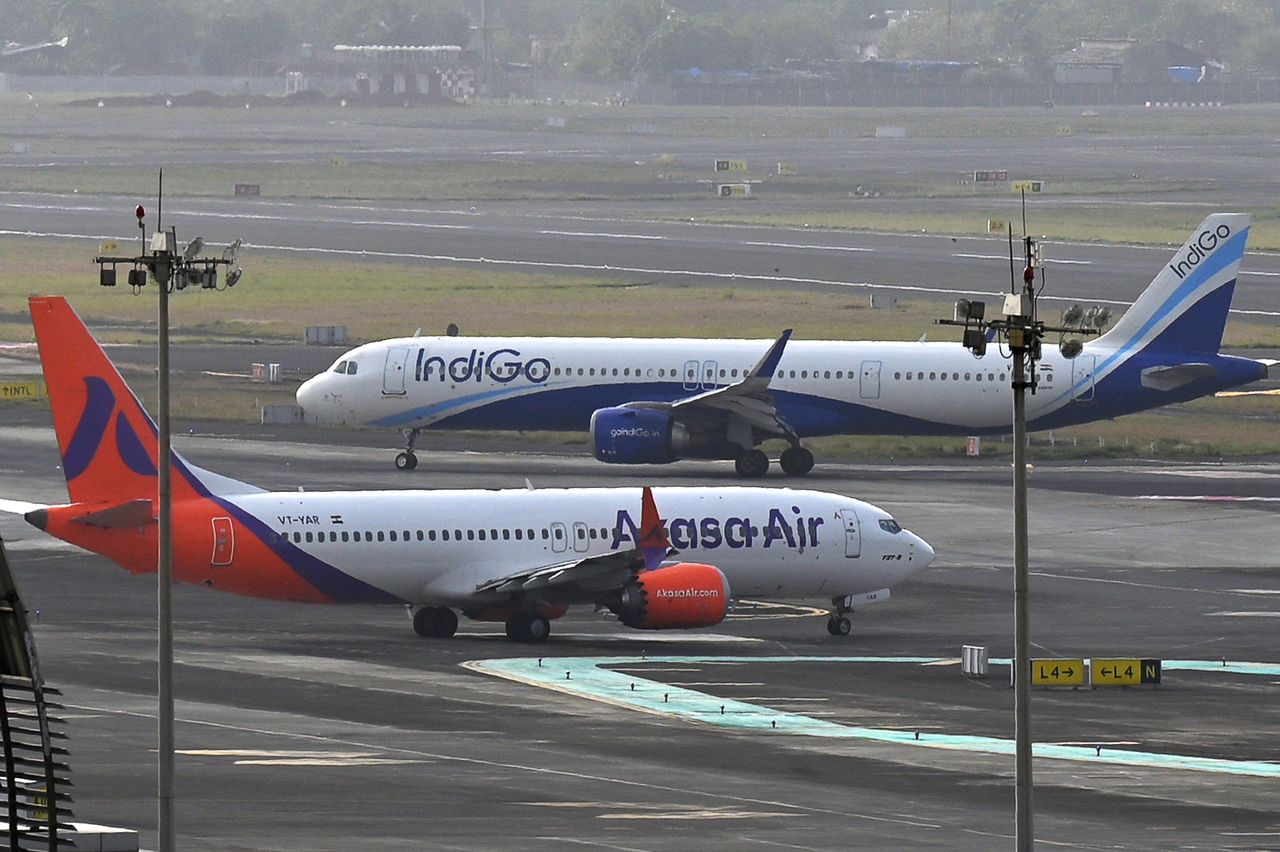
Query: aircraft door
(559, 538)
(709, 369)
(869, 383)
(581, 542)
(224, 543)
(690, 375)
(852, 533)
(393, 372)
(1082, 367)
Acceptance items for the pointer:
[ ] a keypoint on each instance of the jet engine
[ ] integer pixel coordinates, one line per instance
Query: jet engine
(637, 436)
(677, 597)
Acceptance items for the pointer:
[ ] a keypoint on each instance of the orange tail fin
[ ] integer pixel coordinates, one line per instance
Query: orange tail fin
(106, 438)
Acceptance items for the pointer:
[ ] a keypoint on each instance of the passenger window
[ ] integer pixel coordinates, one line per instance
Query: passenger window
(582, 534)
(457, 535)
(826, 374)
(431, 535)
(421, 537)
(297, 537)
(559, 533)
(444, 535)
(392, 534)
(932, 376)
(471, 535)
(519, 534)
(344, 536)
(381, 536)
(308, 537)
(546, 533)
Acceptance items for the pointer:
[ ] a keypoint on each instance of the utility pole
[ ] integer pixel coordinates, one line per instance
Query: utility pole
(1018, 327)
(171, 272)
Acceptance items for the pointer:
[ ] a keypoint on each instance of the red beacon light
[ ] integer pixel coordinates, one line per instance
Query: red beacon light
(139, 212)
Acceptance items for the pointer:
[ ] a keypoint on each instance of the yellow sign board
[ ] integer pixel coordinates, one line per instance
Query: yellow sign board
(1062, 672)
(787, 168)
(995, 226)
(1027, 186)
(22, 390)
(1115, 672)
(109, 247)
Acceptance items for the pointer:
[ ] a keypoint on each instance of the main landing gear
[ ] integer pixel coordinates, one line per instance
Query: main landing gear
(838, 624)
(408, 460)
(528, 627)
(794, 461)
(435, 622)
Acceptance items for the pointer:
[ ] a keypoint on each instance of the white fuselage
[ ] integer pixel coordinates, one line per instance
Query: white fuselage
(427, 547)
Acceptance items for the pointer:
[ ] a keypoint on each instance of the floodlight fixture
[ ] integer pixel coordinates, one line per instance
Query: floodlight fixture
(1070, 347)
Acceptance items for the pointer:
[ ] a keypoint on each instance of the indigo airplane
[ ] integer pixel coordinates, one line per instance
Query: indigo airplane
(657, 401)
(520, 556)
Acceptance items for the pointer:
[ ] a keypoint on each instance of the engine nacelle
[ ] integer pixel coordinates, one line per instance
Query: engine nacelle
(676, 597)
(637, 436)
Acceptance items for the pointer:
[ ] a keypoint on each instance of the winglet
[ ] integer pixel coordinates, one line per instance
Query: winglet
(766, 365)
(653, 543)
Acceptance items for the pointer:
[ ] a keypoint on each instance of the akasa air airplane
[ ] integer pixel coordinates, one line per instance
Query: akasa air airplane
(520, 557)
(656, 401)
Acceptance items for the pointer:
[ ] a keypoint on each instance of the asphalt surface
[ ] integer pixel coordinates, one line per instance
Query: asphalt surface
(337, 728)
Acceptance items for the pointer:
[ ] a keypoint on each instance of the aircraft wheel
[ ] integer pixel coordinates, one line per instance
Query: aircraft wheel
(422, 621)
(752, 464)
(445, 623)
(538, 629)
(435, 622)
(406, 461)
(838, 625)
(796, 461)
(518, 627)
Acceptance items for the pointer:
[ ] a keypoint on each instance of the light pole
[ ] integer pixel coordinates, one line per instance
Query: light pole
(1018, 327)
(170, 271)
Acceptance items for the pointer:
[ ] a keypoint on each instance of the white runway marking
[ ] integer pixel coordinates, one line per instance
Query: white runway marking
(595, 234)
(810, 247)
(603, 267)
(1229, 614)
(1005, 257)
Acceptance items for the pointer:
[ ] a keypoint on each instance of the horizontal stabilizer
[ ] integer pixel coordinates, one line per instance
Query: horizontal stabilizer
(1174, 377)
(132, 513)
(19, 507)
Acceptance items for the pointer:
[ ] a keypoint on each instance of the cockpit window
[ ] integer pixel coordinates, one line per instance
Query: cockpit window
(891, 526)
(351, 368)
(340, 367)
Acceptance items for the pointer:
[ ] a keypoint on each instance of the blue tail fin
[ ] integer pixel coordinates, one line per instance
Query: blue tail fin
(1185, 306)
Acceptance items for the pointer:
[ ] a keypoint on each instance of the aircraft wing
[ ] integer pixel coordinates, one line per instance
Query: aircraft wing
(589, 574)
(13, 48)
(747, 399)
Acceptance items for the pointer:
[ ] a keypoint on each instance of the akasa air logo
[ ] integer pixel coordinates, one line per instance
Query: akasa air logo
(1202, 245)
(792, 530)
(100, 414)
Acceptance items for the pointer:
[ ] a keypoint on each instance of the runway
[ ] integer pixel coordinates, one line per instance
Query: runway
(338, 728)
(624, 241)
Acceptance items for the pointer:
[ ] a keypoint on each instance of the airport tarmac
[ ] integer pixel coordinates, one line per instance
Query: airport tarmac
(338, 728)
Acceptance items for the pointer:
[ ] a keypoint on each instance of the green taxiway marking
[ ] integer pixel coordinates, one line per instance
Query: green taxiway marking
(589, 677)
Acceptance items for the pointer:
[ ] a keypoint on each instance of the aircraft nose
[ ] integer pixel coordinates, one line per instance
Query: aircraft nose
(309, 396)
(924, 552)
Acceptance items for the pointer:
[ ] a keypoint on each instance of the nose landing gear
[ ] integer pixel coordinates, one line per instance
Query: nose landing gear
(408, 460)
(838, 624)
